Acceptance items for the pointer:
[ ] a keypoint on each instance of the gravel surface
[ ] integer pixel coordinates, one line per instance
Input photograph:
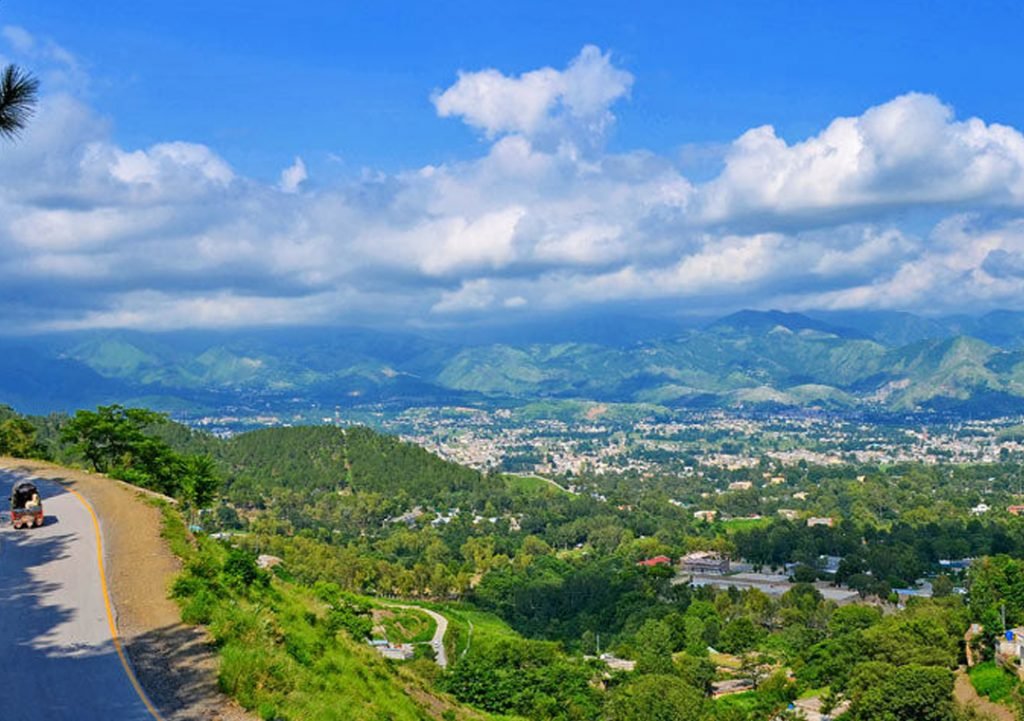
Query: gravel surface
(172, 661)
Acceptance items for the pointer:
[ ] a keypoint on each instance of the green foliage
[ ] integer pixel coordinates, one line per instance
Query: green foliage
(654, 648)
(696, 671)
(19, 436)
(241, 572)
(280, 651)
(655, 698)
(740, 635)
(120, 441)
(993, 681)
(883, 692)
(529, 678)
(111, 436)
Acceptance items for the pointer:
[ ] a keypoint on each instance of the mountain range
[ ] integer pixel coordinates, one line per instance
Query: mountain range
(887, 361)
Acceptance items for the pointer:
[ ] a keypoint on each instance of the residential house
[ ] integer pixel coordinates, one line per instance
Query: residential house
(820, 521)
(656, 561)
(705, 515)
(704, 562)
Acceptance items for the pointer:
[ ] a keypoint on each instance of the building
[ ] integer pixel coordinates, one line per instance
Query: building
(704, 562)
(266, 561)
(731, 686)
(820, 521)
(980, 509)
(395, 652)
(740, 486)
(656, 561)
(789, 514)
(1010, 649)
(705, 515)
(618, 664)
(1015, 510)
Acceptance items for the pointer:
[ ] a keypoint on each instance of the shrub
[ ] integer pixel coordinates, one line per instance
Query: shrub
(991, 680)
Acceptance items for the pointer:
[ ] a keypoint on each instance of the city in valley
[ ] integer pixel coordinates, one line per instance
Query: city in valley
(596, 438)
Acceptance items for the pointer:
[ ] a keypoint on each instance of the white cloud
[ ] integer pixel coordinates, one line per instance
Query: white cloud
(94, 234)
(293, 176)
(472, 295)
(57, 65)
(541, 102)
(908, 151)
(20, 39)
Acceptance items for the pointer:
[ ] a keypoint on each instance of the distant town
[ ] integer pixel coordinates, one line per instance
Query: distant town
(607, 439)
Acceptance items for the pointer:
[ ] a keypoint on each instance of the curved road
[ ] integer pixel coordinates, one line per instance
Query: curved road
(59, 660)
(437, 642)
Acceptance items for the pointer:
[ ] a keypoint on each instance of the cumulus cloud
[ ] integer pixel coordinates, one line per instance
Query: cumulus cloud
(540, 103)
(904, 206)
(908, 151)
(293, 176)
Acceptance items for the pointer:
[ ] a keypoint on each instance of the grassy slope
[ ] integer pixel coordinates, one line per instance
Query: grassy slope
(276, 659)
(992, 681)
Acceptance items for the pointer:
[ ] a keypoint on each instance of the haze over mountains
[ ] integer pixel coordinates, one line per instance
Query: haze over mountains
(879, 360)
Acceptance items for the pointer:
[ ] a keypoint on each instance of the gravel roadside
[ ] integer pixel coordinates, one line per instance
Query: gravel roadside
(172, 661)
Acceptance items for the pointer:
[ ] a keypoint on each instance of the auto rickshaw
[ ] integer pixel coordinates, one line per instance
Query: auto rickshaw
(26, 506)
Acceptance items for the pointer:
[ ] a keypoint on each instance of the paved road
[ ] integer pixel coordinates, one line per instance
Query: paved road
(437, 642)
(58, 660)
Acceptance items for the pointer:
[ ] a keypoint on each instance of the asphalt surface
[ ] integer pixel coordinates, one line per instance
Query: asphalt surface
(58, 660)
(437, 642)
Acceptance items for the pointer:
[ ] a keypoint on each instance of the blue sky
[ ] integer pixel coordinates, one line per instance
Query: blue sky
(262, 81)
(235, 163)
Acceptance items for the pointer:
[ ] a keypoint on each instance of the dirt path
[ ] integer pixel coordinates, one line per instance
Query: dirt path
(964, 693)
(172, 661)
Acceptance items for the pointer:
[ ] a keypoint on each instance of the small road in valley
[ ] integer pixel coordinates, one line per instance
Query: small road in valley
(60, 657)
(437, 642)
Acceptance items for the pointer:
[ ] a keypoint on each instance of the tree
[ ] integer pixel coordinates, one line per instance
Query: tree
(199, 482)
(881, 692)
(654, 648)
(18, 438)
(739, 635)
(942, 586)
(110, 436)
(655, 697)
(18, 91)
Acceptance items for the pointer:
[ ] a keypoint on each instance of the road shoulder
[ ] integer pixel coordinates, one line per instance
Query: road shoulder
(173, 662)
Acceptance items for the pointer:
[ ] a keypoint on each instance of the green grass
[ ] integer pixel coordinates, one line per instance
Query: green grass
(280, 656)
(404, 626)
(468, 627)
(531, 484)
(746, 702)
(173, 531)
(744, 524)
(992, 681)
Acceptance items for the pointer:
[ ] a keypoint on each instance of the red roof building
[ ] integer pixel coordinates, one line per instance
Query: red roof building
(656, 561)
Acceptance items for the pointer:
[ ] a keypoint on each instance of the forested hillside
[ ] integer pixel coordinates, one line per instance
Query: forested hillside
(865, 609)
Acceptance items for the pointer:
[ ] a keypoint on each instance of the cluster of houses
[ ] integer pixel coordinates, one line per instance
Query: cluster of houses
(983, 508)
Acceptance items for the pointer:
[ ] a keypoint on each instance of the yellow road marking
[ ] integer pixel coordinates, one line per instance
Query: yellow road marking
(110, 613)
